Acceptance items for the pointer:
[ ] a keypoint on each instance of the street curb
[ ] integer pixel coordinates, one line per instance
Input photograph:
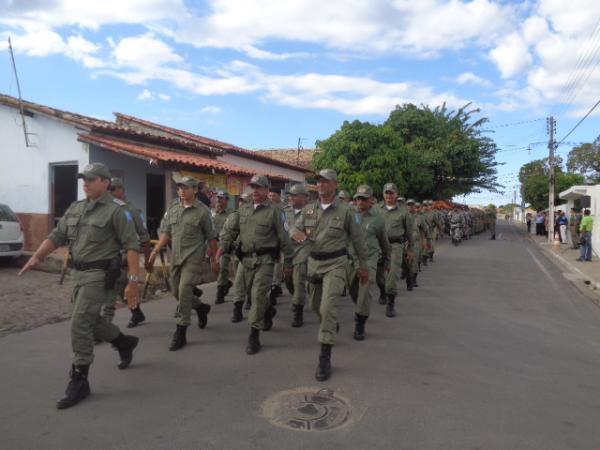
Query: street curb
(593, 287)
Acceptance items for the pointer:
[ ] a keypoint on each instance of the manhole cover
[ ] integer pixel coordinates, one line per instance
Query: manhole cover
(307, 410)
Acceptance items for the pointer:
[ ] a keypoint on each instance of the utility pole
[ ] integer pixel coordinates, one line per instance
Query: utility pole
(551, 124)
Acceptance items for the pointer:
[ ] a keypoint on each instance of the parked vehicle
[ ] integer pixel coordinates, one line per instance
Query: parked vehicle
(11, 233)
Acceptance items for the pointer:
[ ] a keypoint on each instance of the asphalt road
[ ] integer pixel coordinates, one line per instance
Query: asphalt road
(494, 350)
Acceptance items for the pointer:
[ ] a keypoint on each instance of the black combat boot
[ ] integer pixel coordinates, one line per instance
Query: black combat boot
(389, 311)
(382, 296)
(273, 295)
(268, 319)
(253, 342)
(298, 320)
(125, 344)
(228, 286)
(137, 317)
(414, 280)
(493, 238)
(220, 295)
(202, 310)
(359, 326)
(238, 316)
(77, 389)
(179, 339)
(409, 282)
(324, 369)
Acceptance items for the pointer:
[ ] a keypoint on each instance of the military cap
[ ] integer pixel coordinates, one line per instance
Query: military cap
(363, 191)
(401, 199)
(222, 194)
(344, 195)
(390, 187)
(116, 182)
(327, 174)
(298, 189)
(188, 181)
(245, 197)
(95, 170)
(259, 180)
(410, 201)
(417, 204)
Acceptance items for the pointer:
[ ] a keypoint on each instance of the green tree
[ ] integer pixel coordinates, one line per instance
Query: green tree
(427, 153)
(585, 160)
(491, 206)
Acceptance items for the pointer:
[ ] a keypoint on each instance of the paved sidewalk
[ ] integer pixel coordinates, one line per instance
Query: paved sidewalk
(585, 275)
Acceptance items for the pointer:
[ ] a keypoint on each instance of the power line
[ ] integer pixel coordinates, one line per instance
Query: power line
(579, 123)
(524, 122)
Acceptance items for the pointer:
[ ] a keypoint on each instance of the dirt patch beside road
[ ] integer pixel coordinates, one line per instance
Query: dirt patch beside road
(32, 300)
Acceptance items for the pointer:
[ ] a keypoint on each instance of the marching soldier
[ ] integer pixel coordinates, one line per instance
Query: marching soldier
(276, 291)
(298, 199)
(378, 247)
(188, 226)
(491, 215)
(435, 227)
(329, 224)
(419, 231)
(262, 233)
(96, 228)
(137, 316)
(397, 226)
(219, 216)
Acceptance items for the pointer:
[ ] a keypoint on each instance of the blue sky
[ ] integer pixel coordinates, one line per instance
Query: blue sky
(261, 74)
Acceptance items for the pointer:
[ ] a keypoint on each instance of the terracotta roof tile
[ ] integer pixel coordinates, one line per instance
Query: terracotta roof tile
(228, 148)
(302, 158)
(118, 145)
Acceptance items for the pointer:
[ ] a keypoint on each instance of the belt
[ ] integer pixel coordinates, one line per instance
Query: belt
(398, 240)
(261, 252)
(323, 256)
(83, 266)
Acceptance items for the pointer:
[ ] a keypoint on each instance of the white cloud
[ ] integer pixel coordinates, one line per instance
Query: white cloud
(470, 77)
(144, 52)
(210, 109)
(164, 97)
(512, 55)
(145, 95)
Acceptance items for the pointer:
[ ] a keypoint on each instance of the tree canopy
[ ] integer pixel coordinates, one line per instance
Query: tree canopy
(428, 153)
(585, 160)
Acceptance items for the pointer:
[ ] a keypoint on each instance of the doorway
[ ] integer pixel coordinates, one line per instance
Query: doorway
(155, 202)
(63, 188)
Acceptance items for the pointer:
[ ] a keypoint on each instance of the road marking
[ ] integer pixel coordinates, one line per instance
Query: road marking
(541, 266)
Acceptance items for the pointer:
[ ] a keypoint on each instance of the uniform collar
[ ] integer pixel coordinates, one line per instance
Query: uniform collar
(194, 204)
(336, 201)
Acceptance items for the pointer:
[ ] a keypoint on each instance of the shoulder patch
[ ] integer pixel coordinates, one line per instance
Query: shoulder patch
(119, 202)
(127, 215)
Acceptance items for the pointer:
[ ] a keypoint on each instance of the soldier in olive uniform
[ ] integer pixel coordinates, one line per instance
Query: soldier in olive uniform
(419, 231)
(298, 199)
(378, 248)
(491, 216)
(574, 222)
(262, 233)
(219, 216)
(343, 195)
(435, 227)
(329, 224)
(397, 229)
(137, 316)
(96, 228)
(275, 198)
(188, 226)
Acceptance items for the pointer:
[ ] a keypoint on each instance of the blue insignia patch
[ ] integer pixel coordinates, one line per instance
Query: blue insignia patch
(357, 218)
(128, 216)
(143, 220)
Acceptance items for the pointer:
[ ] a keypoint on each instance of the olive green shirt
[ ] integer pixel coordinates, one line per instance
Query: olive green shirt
(376, 237)
(139, 222)
(396, 222)
(419, 227)
(332, 230)
(258, 229)
(96, 229)
(219, 219)
(301, 250)
(188, 228)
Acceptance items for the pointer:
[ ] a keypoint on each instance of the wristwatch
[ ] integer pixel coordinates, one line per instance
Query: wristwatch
(133, 278)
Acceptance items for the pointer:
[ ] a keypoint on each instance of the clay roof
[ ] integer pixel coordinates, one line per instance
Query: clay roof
(302, 158)
(132, 121)
(120, 145)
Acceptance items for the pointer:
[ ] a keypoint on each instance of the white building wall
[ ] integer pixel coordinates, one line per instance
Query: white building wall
(24, 172)
(133, 170)
(261, 167)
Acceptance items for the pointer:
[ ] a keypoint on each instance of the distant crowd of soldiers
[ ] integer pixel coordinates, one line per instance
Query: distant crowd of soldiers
(323, 249)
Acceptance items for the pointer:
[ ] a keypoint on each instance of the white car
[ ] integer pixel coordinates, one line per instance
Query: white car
(11, 233)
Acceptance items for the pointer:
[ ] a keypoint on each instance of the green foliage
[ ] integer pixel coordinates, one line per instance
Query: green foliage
(585, 160)
(491, 206)
(428, 153)
(535, 182)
